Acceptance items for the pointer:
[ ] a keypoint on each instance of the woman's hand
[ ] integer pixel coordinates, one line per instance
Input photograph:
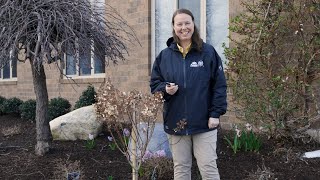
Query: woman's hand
(171, 88)
(213, 122)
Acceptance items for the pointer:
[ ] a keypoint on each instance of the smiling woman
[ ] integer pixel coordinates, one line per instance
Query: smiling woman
(183, 27)
(191, 108)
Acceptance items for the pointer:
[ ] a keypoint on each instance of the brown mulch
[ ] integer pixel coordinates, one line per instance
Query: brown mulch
(276, 160)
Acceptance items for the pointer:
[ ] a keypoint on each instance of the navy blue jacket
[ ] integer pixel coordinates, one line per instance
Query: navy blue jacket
(202, 88)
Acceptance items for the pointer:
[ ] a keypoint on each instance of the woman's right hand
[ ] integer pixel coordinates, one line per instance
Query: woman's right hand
(171, 88)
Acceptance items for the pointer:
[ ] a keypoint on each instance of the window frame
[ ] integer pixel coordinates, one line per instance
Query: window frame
(202, 28)
(10, 64)
(92, 74)
(77, 62)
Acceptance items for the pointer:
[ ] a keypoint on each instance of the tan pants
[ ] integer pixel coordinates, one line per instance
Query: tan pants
(203, 146)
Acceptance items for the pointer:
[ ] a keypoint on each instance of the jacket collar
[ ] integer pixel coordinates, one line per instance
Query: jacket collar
(173, 45)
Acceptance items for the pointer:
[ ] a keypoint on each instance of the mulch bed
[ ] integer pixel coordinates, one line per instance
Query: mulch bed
(276, 160)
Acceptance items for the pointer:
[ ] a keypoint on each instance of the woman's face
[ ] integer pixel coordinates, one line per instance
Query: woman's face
(183, 27)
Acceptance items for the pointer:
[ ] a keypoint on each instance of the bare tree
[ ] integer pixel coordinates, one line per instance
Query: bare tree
(44, 30)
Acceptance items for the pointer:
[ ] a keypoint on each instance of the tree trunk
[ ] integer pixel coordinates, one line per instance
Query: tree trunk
(42, 122)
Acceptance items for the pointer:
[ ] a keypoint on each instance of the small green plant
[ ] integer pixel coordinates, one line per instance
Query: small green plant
(110, 177)
(250, 142)
(28, 110)
(11, 106)
(91, 143)
(87, 98)
(58, 107)
(245, 140)
(235, 143)
(112, 144)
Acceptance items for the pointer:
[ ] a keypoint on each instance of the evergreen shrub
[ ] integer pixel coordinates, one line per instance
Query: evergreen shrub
(28, 110)
(58, 107)
(2, 100)
(87, 98)
(11, 106)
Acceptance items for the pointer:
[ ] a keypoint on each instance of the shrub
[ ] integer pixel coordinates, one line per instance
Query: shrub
(274, 64)
(2, 100)
(67, 168)
(87, 98)
(28, 110)
(58, 107)
(11, 106)
(156, 168)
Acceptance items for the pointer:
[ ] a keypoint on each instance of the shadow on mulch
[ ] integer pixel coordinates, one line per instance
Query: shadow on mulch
(17, 160)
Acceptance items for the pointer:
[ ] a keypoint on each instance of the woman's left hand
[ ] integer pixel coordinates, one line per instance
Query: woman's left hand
(213, 122)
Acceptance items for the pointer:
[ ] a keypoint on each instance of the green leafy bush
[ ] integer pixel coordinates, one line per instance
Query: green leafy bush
(2, 100)
(11, 106)
(87, 98)
(274, 64)
(28, 110)
(58, 107)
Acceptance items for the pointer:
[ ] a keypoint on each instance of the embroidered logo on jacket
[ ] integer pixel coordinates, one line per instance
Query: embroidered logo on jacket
(197, 64)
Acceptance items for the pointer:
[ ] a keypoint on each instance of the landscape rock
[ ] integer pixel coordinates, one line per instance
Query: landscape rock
(77, 124)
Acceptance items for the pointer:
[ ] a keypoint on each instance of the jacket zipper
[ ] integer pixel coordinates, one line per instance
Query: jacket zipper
(185, 86)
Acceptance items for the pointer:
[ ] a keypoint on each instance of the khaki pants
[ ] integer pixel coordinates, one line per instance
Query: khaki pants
(203, 146)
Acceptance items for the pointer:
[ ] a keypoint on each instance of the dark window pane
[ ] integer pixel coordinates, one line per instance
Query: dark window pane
(99, 65)
(14, 68)
(85, 63)
(71, 68)
(194, 7)
(6, 71)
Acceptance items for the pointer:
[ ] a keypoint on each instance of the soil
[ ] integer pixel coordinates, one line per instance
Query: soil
(276, 160)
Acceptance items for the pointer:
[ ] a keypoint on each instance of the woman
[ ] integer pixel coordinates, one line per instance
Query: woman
(190, 74)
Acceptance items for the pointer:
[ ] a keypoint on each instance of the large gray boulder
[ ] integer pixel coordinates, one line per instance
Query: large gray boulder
(77, 124)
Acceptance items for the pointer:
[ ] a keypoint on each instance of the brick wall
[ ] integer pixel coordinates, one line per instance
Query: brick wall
(134, 73)
(57, 86)
(235, 7)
